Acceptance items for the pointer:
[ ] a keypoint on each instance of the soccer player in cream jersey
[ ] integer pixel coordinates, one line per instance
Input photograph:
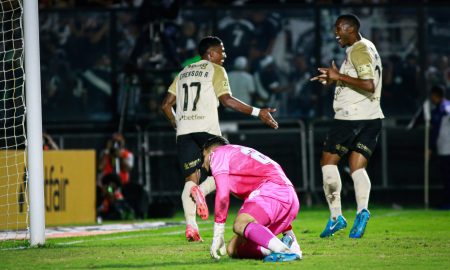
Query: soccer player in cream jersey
(196, 92)
(356, 125)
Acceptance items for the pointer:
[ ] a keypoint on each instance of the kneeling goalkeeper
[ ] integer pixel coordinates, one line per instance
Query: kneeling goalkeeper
(270, 203)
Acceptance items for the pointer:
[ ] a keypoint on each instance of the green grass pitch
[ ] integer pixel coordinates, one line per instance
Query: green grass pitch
(394, 239)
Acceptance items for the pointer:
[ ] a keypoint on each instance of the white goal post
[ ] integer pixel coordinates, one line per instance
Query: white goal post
(22, 213)
(34, 122)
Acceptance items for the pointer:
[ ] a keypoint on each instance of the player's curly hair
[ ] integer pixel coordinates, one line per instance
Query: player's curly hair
(351, 19)
(208, 42)
(216, 140)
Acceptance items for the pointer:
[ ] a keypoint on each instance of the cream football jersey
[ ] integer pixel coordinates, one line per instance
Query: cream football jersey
(362, 61)
(197, 88)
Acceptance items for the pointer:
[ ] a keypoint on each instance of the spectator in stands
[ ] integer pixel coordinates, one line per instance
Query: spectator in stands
(444, 67)
(242, 83)
(188, 41)
(237, 32)
(302, 100)
(267, 27)
(440, 138)
(438, 71)
(410, 77)
(269, 85)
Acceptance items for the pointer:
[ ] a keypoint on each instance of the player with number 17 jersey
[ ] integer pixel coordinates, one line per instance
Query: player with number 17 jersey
(197, 88)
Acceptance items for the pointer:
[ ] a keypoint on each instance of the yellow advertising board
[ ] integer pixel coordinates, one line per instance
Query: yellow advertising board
(69, 188)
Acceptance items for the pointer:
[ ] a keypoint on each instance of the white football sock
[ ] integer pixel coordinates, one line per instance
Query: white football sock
(189, 206)
(332, 186)
(362, 188)
(208, 186)
(295, 247)
(276, 245)
(265, 251)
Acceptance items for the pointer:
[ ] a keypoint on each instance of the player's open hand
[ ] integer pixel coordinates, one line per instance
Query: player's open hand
(327, 75)
(267, 118)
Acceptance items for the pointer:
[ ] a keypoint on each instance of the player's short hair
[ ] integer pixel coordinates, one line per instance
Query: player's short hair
(438, 90)
(208, 42)
(351, 19)
(216, 140)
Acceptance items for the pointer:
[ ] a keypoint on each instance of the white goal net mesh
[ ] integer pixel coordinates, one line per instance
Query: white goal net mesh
(13, 180)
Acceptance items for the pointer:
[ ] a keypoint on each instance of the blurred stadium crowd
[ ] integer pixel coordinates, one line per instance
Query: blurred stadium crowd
(100, 62)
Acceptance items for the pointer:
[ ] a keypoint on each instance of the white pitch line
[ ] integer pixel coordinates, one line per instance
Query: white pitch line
(15, 248)
(121, 237)
(131, 236)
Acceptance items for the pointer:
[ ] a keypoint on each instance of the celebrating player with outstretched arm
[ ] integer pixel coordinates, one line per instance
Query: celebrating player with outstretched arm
(270, 203)
(357, 122)
(196, 91)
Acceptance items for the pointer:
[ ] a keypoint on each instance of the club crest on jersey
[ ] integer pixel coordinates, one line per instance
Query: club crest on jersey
(364, 69)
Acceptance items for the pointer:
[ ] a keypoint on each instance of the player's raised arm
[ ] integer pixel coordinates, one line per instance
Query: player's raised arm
(324, 76)
(223, 92)
(263, 114)
(332, 75)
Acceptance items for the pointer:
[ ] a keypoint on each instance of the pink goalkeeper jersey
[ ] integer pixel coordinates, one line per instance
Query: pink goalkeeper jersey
(241, 170)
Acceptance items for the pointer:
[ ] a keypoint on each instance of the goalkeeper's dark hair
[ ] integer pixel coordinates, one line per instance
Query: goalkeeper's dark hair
(217, 140)
(351, 19)
(208, 42)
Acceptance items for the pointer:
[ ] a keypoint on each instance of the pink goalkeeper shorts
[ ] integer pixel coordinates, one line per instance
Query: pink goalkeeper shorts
(272, 205)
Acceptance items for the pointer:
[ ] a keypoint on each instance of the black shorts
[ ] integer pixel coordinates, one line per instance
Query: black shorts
(356, 135)
(189, 149)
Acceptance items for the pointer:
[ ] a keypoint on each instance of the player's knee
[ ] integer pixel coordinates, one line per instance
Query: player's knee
(357, 161)
(329, 159)
(241, 222)
(239, 227)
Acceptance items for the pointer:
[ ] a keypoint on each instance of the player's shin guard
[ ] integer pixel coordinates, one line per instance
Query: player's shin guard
(362, 188)
(262, 236)
(188, 204)
(332, 186)
(208, 186)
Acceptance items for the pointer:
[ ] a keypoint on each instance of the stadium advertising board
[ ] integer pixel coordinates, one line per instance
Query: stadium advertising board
(69, 188)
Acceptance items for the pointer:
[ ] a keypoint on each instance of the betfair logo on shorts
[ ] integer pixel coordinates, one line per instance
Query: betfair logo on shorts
(191, 164)
(364, 148)
(341, 148)
(192, 117)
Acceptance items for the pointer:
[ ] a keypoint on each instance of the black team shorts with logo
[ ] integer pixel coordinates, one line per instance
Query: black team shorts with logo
(353, 135)
(189, 150)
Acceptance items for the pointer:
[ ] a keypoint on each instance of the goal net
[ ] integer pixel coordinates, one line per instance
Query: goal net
(13, 180)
